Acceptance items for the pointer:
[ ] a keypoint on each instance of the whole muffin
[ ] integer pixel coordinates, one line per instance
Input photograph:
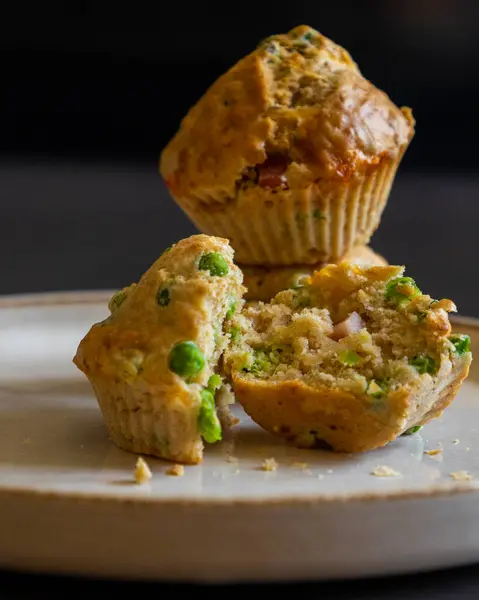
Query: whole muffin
(263, 283)
(349, 362)
(291, 154)
(153, 362)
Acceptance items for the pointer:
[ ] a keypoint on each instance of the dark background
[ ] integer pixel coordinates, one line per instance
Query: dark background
(113, 82)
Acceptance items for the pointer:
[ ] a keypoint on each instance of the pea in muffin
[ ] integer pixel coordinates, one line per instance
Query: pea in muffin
(153, 363)
(290, 154)
(349, 362)
(263, 283)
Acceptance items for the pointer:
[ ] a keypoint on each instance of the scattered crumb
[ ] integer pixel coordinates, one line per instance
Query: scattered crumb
(27, 440)
(176, 471)
(300, 465)
(237, 471)
(433, 452)
(269, 464)
(232, 459)
(320, 476)
(385, 471)
(455, 442)
(461, 476)
(142, 472)
(329, 471)
(440, 444)
(468, 448)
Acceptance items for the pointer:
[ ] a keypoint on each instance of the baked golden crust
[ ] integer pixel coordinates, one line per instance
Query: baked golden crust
(297, 94)
(147, 407)
(290, 155)
(263, 283)
(345, 422)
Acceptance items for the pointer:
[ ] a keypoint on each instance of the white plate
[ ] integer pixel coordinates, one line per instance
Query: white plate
(68, 502)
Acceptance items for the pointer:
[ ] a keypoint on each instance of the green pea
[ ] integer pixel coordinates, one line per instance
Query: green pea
(317, 214)
(349, 358)
(376, 388)
(423, 364)
(214, 382)
(231, 309)
(163, 297)
(116, 300)
(461, 343)
(235, 334)
(393, 294)
(299, 281)
(260, 364)
(412, 430)
(214, 263)
(186, 359)
(208, 422)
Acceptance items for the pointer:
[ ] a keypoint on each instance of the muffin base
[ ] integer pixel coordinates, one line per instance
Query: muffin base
(334, 419)
(320, 223)
(140, 423)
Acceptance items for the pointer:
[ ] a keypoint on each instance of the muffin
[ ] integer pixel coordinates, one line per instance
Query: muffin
(349, 362)
(263, 283)
(290, 154)
(153, 363)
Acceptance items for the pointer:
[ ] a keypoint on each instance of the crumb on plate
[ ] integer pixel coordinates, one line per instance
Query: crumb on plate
(232, 459)
(142, 472)
(385, 471)
(461, 476)
(176, 471)
(269, 464)
(455, 442)
(433, 452)
(300, 465)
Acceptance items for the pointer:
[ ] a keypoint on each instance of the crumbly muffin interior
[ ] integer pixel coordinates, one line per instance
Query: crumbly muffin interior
(356, 328)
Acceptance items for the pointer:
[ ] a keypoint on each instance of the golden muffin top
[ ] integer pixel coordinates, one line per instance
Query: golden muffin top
(298, 103)
(183, 299)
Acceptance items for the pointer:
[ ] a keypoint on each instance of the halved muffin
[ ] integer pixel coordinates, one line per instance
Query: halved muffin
(154, 362)
(263, 283)
(290, 154)
(349, 362)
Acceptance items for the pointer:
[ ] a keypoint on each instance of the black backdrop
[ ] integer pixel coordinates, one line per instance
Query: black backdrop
(114, 80)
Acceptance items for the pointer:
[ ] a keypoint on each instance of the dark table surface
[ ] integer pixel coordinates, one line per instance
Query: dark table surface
(97, 226)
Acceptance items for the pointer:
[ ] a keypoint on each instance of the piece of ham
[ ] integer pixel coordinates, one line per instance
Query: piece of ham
(352, 324)
(271, 173)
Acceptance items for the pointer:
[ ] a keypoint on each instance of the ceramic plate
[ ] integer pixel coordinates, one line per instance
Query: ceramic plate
(68, 501)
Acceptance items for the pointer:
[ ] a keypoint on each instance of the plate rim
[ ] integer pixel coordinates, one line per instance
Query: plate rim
(72, 297)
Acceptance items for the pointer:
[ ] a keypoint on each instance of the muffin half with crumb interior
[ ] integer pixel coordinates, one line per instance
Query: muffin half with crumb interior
(153, 363)
(349, 362)
(290, 154)
(263, 283)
